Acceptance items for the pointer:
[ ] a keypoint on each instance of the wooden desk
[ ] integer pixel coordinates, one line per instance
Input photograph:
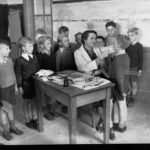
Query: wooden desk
(73, 98)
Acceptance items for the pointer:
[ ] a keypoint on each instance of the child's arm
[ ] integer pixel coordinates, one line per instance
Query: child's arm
(140, 67)
(18, 71)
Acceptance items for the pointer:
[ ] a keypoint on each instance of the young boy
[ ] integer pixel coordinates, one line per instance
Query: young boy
(64, 56)
(62, 32)
(111, 29)
(47, 60)
(118, 70)
(39, 32)
(135, 53)
(8, 88)
(26, 65)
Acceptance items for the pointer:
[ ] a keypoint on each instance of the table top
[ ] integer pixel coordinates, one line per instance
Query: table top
(70, 90)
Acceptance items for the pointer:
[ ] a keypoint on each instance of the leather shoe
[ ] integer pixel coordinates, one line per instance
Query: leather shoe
(117, 128)
(112, 134)
(49, 116)
(16, 131)
(7, 136)
(99, 129)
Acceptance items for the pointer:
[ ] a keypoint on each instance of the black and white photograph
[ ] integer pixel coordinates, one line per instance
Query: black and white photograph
(74, 72)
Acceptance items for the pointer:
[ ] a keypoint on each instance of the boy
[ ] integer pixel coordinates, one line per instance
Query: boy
(78, 40)
(64, 56)
(8, 88)
(39, 32)
(47, 60)
(26, 65)
(135, 52)
(62, 31)
(118, 70)
(111, 29)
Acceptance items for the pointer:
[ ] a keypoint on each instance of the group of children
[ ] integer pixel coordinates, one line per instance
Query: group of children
(43, 54)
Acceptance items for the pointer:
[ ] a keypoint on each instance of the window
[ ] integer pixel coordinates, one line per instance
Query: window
(43, 15)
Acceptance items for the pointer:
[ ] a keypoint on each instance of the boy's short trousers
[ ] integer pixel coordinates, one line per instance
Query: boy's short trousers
(28, 90)
(133, 75)
(8, 94)
(6, 106)
(116, 93)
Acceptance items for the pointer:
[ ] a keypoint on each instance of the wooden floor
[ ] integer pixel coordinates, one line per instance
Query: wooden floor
(56, 132)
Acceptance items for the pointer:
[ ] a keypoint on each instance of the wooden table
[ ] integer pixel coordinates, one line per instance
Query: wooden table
(73, 98)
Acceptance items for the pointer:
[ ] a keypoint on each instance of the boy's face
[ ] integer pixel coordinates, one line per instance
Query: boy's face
(47, 45)
(4, 50)
(111, 31)
(28, 48)
(132, 36)
(63, 34)
(79, 38)
(91, 40)
(65, 42)
(100, 42)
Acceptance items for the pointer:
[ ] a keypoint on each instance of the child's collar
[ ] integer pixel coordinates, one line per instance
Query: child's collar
(133, 43)
(3, 61)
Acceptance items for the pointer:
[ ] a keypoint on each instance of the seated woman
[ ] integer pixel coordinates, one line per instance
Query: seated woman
(88, 60)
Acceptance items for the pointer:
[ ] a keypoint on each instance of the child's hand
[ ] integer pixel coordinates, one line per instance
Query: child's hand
(124, 95)
(20, 90)
(16, 90)
(139, 72)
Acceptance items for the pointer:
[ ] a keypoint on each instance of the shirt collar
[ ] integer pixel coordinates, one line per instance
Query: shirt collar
(26, 56)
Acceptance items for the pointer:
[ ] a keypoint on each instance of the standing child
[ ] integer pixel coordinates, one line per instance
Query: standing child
(8, 88)
(47, 60)
(39, 32)
(135, 53)
(118, 70)
(64, 56)
(26, 65)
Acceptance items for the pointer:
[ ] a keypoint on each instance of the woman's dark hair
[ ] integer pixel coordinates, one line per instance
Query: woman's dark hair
(86, 34)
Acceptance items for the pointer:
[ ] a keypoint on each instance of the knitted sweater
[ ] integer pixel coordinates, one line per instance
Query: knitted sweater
(135, 53)
(7, 75)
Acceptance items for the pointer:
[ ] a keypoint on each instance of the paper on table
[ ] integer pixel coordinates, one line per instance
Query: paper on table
(85, 85)
(43, 72)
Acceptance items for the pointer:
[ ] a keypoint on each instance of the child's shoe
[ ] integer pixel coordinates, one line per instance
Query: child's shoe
(49, 116)
(29, 125)
(119, 129)
(34, 123)
(16, 131)
(7, 136)
(112, 134)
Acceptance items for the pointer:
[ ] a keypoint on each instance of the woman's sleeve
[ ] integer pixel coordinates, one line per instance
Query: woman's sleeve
(82, 64)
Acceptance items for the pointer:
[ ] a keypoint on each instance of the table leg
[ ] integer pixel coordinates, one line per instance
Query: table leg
(106, 111)
(72, 112)
(39, 106)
